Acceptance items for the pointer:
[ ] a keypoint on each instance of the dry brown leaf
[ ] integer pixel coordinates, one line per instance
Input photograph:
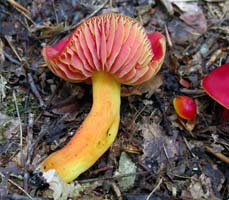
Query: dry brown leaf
(193, 15)
(196, 20)
(199, 189)
(188, 125)
(148, 87)
(156, 144)
(8, 126)
(181, 33)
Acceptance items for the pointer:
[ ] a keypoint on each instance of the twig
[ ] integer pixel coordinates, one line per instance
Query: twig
(168, 37)
(217, 154)
(29, 139)
(29, 76)
(113, 177)
(11, 59)
(166, 123)
(32, 84)
(20, 197)
(154, 190)
(41, 134)
(35, 90)
(21, 9)
(8, 39)
(215, 56)
(165, 151)
(193, 91)
(19, 118)
(54, 8)
(117, 190)
(89, 16)
(111, 3)
(189, 1)
(188, 146)
(18, 186)
(18, 6)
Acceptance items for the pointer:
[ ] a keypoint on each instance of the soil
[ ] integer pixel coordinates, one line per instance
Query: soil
(171, 158)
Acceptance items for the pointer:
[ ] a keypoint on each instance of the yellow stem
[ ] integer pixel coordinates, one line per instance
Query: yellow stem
(94, 136)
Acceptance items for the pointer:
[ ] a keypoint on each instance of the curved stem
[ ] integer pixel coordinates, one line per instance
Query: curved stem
(94, 136)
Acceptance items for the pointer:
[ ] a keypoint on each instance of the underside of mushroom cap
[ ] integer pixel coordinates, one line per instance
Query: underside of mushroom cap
(216, 84)
(112, 43)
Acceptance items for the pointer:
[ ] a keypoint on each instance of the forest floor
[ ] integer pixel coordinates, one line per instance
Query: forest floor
(167, 157)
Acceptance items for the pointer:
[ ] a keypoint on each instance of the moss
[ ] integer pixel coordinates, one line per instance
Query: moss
(9, 107)
(3, 128)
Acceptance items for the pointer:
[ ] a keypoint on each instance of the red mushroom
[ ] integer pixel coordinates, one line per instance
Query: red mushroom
(108, 50)
(216, 85)
(185, 107)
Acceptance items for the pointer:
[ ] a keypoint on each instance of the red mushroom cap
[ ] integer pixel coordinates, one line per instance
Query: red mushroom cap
(185, 107)
(216, 84)
(112, 43)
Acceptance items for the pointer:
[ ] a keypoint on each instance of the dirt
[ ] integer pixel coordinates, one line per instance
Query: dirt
(172, 158)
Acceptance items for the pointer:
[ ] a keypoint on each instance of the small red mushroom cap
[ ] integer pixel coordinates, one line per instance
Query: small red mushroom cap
(216, 85)
(185, 107)
(112, 43)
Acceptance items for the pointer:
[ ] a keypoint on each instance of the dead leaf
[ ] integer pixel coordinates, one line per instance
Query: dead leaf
(167, 4)
(8, 126)
(196, 20)
(126, 166)
(216, 176)
(189, 125)
(156, 144)
(199, 189)
(181, 33)
(148, 87)
(192, 15)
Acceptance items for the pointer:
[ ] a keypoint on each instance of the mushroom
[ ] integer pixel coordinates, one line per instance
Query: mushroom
(216, 85)
(107, 50)
(185, 107)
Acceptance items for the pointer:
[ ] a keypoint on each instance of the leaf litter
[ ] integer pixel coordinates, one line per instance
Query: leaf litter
(160, 149)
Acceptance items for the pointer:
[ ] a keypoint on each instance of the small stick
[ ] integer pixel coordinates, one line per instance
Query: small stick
(34, 89)
(188, 146)
(165, 151)
(21, 9)
(111, 3)
(154, 190)
(54, 8)
(215, 56)
(168, 37)
(15, 196)
(18, 186)
(18, 6)
(89, 16)
(8, 39)
(19, 118)
(217, 154)
(11, 59)
(28, 74)
(29, 149)
(117, 190)
(113, 177)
